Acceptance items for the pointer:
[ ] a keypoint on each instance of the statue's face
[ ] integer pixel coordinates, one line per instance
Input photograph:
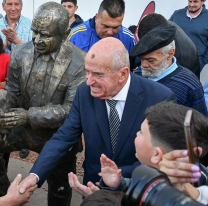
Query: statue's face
(46, 36)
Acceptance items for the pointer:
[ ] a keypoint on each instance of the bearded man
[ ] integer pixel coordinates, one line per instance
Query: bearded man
(156, 51)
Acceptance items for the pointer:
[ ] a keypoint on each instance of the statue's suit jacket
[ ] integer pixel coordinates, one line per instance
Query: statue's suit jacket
(89, 115)
(67, 74)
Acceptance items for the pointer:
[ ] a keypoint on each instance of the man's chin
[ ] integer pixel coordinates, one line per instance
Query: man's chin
(194, 11)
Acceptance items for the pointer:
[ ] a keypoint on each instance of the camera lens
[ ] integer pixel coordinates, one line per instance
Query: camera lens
(150, 187)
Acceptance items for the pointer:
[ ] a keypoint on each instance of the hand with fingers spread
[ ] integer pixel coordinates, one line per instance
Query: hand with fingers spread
(110, 173)
(14, 118)
(83, 190)
(13, 197)
(180, 172)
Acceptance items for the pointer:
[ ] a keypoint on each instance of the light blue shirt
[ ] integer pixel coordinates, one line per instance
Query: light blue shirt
(205, 87)
(23, 29)
(169, 70)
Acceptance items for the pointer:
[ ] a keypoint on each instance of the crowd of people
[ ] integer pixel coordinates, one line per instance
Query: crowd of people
(67, 77)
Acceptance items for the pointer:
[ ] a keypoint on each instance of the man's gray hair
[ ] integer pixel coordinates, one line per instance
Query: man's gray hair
(4, 1)
(167, 48)
(120, 59)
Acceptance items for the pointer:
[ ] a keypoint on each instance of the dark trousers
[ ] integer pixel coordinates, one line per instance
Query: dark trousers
(59, 191)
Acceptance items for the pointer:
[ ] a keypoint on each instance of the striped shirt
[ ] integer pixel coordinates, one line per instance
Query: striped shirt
(186, 86)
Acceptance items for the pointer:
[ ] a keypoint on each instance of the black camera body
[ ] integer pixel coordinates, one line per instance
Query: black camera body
(151, 187)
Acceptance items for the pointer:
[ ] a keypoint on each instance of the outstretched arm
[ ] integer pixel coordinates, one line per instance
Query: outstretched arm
(13, 197)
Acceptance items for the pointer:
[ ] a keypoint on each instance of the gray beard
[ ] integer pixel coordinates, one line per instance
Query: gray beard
(148, 72)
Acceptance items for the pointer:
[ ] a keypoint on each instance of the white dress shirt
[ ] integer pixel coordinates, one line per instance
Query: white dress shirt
(121, 97)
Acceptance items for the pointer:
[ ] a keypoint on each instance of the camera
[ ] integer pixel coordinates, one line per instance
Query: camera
(151, 187)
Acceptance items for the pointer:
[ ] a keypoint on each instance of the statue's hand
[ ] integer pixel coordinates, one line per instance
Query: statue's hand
(14, 118)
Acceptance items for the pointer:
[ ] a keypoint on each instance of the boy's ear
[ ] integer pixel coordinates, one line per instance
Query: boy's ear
(157, 155)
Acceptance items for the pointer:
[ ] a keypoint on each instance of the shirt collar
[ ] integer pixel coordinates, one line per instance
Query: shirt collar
(169, 70)
(18, 22)
(188, 14)
(53, 55)
(122, 95)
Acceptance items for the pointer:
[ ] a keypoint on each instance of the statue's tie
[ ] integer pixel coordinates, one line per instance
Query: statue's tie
(114, 122)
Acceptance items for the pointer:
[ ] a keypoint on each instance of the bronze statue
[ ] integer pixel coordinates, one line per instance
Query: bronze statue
(43, 77)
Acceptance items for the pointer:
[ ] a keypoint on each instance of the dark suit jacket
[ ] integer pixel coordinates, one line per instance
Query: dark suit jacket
(89, 115)
(67, 74)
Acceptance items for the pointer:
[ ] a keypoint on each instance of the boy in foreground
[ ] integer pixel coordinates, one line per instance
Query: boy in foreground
(159, 144)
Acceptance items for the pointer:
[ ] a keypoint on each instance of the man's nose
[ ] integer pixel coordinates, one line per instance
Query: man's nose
(13, 7)
(144, 63)
(37, 38)
(110, 31)
(90, 80)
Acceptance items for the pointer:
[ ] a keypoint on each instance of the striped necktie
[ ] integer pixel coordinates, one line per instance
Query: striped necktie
(114, 122)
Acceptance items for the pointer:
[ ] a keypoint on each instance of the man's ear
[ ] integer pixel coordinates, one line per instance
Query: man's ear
(3, 6)
(199, 150)
(171, 53)
(66, 34)
(157, 155)
(96, 17)
(123, 74)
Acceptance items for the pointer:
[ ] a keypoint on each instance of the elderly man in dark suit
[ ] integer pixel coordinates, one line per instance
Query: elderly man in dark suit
(109, 110)
(43, 77)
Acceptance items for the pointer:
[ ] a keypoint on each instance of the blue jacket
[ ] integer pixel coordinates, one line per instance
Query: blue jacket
(196, 29)
(89, 115)
(77, 22)
(84, 36)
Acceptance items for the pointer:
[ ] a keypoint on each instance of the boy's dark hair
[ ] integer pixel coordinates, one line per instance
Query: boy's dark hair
(166, 126)
(150, 22)
(103, 198)
(73, 1)
(1, 46)
(114, 8)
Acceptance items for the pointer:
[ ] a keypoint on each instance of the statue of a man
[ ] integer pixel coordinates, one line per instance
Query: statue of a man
(43, 77)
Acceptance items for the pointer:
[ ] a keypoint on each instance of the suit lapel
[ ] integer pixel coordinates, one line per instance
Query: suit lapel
(130, 113)
(27, 65)
(61, 64)
(103, 123)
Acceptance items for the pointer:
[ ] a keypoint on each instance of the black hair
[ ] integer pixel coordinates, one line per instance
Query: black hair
(1, 46)
(103, 198)
(132, 28)
(150, 22)
(166, 126)
(114, 8)
(73, 1)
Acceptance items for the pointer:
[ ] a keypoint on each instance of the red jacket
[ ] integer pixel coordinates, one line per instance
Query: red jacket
(4, 64)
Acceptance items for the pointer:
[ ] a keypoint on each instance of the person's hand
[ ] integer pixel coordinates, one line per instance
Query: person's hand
(10, 33)
(15, 118)
(3, 84)
(110, 173)
(176, 166)
(13, 197)
(83, 190)
(29, 182)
